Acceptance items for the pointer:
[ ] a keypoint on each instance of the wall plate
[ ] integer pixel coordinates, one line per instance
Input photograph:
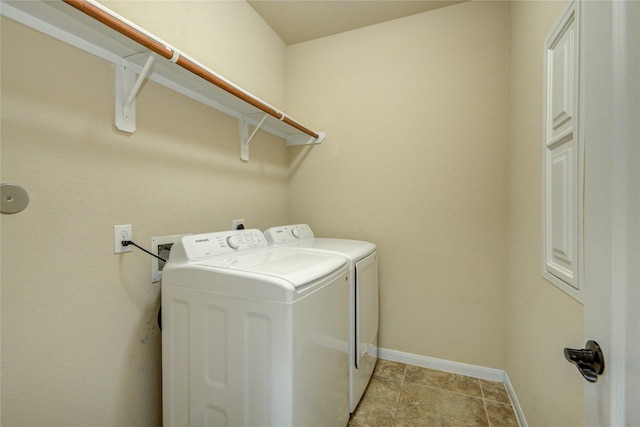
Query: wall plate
(161, 247)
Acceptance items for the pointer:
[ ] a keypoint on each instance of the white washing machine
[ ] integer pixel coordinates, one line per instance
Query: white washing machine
(252, 335)
(363, 296)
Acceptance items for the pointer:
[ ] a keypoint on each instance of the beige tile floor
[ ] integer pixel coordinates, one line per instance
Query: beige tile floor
(402, 395)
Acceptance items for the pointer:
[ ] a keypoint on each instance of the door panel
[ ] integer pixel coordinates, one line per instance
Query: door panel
(562, 213)
(610, 113)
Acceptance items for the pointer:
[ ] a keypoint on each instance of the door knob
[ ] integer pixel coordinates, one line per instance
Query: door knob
(589, 360)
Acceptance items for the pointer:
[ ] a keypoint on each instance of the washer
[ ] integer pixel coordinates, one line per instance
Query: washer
(252, 335)
(363, 296)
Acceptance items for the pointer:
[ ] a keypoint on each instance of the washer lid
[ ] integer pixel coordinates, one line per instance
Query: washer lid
(301, 236)
(352, 249)
(297, 268)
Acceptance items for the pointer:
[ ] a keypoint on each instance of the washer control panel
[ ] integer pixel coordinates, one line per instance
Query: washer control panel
(207, 245)
(288, 233)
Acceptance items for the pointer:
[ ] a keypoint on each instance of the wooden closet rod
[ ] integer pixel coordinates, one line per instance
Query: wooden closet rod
(154, 45)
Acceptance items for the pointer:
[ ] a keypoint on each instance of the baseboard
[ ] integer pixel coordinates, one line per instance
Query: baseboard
(522, 422)
(475, 371)
(481, 372)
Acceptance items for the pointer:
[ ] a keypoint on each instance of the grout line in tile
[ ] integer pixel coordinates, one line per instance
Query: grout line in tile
(499, 402)
(440, 387)
(395, 412)
(484, 403)
(433, 387)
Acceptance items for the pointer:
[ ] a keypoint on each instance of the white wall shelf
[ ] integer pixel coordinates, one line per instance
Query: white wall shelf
(138, 54)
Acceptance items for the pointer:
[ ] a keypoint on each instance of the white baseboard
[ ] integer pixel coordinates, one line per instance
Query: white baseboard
(475, 371)
(522, 422)
(481, 372)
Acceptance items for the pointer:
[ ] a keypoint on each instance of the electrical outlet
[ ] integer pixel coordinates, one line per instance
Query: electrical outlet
(120, 233)
(238, 224)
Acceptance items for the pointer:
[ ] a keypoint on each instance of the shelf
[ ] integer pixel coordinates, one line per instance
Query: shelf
(138, 54)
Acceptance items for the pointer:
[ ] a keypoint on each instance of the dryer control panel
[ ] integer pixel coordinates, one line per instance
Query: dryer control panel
(288, 233)
(200, 246)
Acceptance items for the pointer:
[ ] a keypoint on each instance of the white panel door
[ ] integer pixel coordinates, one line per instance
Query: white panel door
(610, 114)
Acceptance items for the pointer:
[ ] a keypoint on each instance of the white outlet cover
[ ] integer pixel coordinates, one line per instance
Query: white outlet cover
(120, 233)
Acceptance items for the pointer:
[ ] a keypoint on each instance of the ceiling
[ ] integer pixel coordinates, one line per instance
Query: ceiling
(297, 21)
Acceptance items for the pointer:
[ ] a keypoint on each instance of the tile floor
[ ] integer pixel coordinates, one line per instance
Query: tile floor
(402, 395)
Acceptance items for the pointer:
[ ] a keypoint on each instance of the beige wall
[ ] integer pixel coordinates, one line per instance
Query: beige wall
(433, 126)
(541, 320)
(416, 115)
(80, 342)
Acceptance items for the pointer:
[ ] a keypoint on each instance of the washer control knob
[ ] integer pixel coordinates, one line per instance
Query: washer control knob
(233, 242)
(295, 232)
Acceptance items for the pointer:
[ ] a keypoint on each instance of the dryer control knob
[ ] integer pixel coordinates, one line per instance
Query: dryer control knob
(233, 242)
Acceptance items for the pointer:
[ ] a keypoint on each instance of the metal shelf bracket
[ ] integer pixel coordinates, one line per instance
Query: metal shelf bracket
(127, 88)
(245, 138)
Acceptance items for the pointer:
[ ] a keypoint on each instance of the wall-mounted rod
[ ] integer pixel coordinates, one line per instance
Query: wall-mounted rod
(108, 18)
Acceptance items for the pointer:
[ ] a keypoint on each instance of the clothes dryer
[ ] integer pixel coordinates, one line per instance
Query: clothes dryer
(363, 296)
(252, 335)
